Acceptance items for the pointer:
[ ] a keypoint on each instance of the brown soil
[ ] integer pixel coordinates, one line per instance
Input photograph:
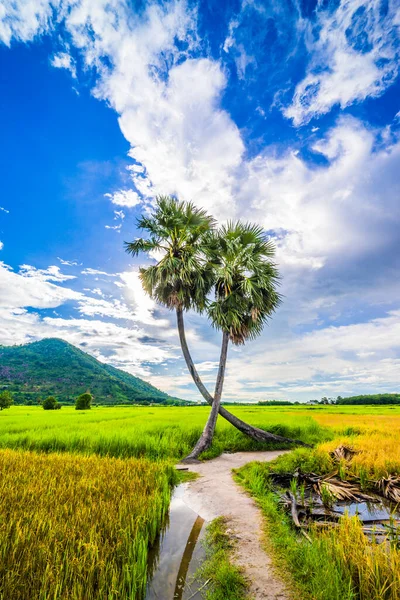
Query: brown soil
(215, 494)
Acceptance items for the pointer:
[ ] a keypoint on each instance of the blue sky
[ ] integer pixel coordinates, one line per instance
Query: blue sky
(284, 113)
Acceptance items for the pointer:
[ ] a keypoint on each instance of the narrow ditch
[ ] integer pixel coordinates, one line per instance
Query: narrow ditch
(177, 554)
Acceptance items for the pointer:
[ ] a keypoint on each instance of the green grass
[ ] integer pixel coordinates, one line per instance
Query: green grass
(225, 580)
(340, 563)
(151, 432)
(312, 571)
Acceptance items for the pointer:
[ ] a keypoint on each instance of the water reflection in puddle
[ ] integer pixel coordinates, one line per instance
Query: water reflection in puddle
(177, 554)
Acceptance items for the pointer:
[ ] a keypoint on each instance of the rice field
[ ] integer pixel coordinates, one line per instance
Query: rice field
(373, 432)
(84, 494)
(156, 433)
(79, 528)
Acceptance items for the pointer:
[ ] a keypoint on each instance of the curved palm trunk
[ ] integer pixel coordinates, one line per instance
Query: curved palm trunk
(259, 435)
(206, 437)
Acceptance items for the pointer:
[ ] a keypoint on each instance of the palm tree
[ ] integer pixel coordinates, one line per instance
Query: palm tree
(245, 297)
(184, 277)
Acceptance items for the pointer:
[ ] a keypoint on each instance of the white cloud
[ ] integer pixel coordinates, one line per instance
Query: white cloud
(4, 210)
(356, 56)
(207, 366)
(52, 273)
(1, 245)
(189, 146)
(96, 291)
(168, 108)
(128, 198)
(23, 20)
(32, 287)
(63, 60)
(143, 306)
(68, 263)
(334, 360)
(319, 212)
(90, 271)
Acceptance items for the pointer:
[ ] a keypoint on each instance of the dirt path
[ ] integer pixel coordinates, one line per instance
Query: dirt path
(215, 493)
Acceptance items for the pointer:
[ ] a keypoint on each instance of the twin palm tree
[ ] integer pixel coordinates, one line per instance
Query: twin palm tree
(234, 263)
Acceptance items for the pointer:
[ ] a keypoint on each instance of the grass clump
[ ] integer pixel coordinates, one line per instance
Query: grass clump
(341, 563)
(225, 580)
(373, 569)
(74, 527)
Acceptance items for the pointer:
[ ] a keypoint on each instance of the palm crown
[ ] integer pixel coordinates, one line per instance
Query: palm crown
(245, 280)
(183, 277)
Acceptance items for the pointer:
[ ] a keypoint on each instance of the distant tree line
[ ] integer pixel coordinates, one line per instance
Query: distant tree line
(276, 403)
(361, 399)
(370, 399)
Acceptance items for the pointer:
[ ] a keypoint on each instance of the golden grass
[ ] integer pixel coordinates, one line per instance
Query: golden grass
(364, 422)
(373, 569)
(378, 454)
(78, 528)
(375, 437)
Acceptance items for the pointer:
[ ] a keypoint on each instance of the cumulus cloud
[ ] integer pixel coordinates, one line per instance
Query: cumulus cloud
(128, 198)
(355, 56)
(330, 210)
(63, 60)
(32, 287)
(188, 145)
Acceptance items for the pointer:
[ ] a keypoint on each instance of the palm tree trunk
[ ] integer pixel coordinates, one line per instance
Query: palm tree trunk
(207, 435)
(259, 435)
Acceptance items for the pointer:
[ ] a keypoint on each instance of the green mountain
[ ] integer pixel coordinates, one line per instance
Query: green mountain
(54, 367)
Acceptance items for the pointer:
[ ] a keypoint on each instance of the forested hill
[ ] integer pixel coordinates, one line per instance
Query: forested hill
(54, 367)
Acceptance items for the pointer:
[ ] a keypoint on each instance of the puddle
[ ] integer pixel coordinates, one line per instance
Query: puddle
(367, 512)
(177, 554)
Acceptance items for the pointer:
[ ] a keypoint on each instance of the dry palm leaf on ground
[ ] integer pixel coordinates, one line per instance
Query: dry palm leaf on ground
(389, 487)
(341, 490)
(343, 453)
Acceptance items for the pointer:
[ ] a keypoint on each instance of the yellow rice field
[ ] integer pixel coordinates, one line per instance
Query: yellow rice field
(75, 527)
(374, 436)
